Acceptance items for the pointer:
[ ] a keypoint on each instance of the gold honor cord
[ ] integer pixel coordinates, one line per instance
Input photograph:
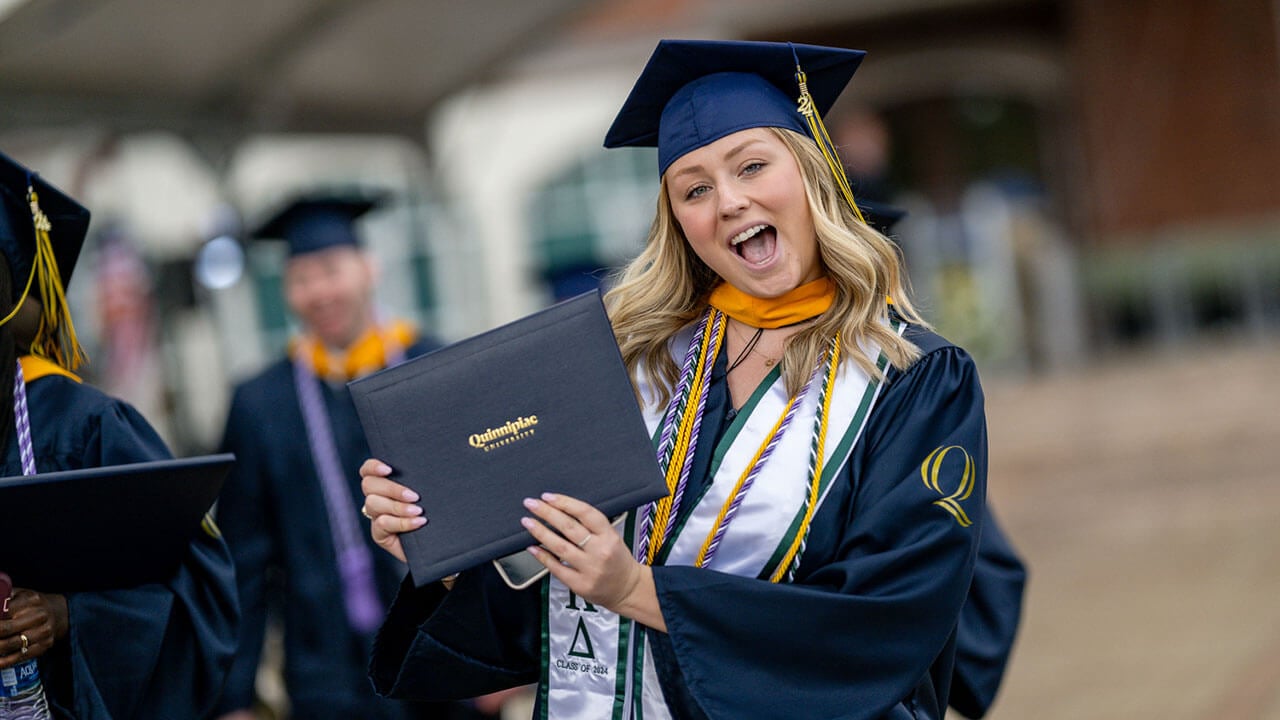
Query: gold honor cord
(662, 511)
(815, 483)
(56, 338)
(820, 136)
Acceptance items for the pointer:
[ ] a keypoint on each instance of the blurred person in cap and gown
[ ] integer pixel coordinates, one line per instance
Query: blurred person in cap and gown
(825, 451)
(290, 509)
(862, 138)
(155, 651)
(993, 609)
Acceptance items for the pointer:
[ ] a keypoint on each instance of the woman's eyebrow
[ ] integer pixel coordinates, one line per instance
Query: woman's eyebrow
(743, 146)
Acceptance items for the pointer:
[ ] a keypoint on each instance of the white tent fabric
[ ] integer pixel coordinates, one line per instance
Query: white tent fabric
(241, 66)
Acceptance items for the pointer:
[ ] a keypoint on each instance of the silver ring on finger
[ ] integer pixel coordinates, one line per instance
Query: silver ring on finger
(364, 510)
(583, 542)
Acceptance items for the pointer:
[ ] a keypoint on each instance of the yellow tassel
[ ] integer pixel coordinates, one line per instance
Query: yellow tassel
(819, 132)
(56, 338)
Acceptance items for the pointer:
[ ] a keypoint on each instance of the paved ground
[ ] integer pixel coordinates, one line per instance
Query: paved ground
(1146, 496)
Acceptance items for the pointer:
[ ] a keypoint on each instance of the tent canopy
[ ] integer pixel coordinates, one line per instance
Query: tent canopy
(240, 66)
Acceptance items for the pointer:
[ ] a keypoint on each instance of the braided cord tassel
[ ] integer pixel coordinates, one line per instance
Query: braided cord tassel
(791, 560)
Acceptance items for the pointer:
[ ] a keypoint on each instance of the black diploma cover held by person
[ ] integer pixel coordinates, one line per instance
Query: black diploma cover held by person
(108, 527)
(541, 404)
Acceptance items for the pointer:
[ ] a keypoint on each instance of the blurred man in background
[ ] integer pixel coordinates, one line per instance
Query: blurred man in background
(290, 510)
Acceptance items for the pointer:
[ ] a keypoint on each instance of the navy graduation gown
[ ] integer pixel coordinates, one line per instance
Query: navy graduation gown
(988, 622)
(153, 651)
(273, 514)
(868, 630)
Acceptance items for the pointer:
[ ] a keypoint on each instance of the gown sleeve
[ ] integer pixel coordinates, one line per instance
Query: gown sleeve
(988, 622)
(157, 650)
(244, 514)
(478, 638)
(884, 575)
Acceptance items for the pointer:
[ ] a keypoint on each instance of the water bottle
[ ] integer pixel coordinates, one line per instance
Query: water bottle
(21, 692)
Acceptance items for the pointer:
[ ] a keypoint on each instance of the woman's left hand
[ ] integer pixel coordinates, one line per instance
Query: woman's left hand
(589, 556)
(40, 618)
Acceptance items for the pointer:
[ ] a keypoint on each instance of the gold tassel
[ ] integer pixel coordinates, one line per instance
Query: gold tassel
(820, 136)
(56, 338)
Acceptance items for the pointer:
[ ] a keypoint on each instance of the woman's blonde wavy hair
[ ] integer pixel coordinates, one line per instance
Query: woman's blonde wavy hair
(665, 288)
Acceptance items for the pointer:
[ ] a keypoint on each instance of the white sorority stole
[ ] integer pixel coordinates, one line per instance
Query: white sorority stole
(595, 664)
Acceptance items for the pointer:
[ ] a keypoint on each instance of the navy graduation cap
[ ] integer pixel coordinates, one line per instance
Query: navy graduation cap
(318, 222)
(694, 92)
(68, 221)
(42, 231)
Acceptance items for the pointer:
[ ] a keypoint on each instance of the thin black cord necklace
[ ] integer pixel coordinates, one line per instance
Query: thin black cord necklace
(751, 344)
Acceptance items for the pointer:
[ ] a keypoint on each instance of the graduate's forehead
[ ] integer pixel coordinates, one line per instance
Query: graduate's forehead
(727, 149)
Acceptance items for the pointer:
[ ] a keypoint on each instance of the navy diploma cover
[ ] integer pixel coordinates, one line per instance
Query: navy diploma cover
(540, 404)
(105, 528)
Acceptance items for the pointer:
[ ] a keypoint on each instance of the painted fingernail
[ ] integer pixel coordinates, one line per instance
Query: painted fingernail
(533, 550)
(418, 521)
(527, 522)
(550, 497)
(384, 468)
(409, 495)
(530, 503)
(413, 509)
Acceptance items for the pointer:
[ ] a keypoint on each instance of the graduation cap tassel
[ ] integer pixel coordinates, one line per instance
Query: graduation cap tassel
(819, 132)
(56, 338)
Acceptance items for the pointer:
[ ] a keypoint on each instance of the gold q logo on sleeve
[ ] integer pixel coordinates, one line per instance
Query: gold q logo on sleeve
(931, 471)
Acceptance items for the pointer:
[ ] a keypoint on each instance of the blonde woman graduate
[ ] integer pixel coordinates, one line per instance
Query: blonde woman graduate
(825, 451)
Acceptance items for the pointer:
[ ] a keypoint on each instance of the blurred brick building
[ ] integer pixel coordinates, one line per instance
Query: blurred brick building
(1081, 175)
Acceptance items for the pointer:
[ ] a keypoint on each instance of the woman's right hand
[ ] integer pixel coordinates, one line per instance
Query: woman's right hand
(389, 507)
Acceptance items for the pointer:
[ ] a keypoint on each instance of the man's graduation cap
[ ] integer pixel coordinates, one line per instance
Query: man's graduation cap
(318, 222)
(41, 232)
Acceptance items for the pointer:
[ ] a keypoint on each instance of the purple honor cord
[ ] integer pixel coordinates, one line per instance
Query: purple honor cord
(355, 563)
(732, 511)
(666, 443)
(22, 423)
(693, 433)
(675, 413)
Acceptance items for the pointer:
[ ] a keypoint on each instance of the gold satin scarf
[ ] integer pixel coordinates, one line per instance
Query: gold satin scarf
(806, 301)
(35, 367)
(370, 352)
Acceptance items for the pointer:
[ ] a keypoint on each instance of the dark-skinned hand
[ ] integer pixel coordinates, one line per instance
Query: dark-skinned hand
(42, 617)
